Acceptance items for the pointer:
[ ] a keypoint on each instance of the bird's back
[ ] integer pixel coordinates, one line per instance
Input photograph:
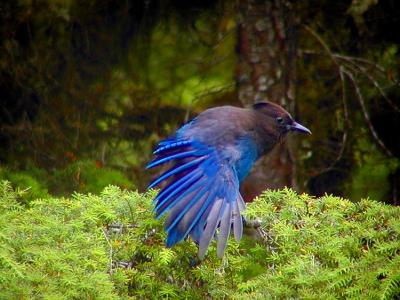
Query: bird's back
(219, 127)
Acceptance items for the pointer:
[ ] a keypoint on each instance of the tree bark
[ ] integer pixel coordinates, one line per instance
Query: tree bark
(266, 72)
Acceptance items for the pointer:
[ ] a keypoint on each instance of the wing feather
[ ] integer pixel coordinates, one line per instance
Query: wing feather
(165, 159)
(237, 222)
(211, 226)
(175, 170)
(179, 186)
(202, 195)
(168, 145)
(224, 229)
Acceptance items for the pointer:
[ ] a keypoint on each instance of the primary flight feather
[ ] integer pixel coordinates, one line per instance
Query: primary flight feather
(211, 156)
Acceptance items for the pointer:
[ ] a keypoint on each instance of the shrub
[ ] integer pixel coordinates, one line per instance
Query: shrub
(54, 249)
(33, 182)
(109, 246)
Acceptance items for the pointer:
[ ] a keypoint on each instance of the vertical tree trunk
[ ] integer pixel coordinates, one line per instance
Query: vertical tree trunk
(266, 71)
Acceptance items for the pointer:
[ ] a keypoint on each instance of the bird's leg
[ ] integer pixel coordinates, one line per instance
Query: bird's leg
(194, 262)
(255, 223)
(252, 228)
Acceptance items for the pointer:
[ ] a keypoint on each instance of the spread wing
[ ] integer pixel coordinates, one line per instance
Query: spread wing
(202, 196)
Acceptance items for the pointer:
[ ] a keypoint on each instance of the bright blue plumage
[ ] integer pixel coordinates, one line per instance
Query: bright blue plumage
(211, 155)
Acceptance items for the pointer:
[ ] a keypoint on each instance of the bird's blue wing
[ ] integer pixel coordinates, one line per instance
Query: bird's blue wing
(202, 196)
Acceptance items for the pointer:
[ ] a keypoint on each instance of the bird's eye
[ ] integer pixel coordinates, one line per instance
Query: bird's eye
(279, 120)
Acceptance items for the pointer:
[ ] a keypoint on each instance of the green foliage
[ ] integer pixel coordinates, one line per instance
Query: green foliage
(328, 247)
(358, 8)
(90, 80)
(54, 249)
(32, 182)
(109, 246)
(202, 71)
(87, 176)
(371, 173)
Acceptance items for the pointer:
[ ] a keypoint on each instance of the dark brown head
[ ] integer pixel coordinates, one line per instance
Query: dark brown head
(276, 119)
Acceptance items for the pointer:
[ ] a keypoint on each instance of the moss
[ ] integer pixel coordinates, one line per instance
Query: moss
(110, 246)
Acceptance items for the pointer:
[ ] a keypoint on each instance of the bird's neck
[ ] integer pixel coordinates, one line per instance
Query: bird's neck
(266, 136)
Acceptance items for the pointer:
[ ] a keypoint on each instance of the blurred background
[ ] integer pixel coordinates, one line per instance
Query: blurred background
(87, 88)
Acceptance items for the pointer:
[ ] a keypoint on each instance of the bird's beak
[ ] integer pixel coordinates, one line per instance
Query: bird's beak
(298, 127)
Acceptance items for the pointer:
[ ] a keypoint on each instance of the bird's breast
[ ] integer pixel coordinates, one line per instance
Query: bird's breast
(248, 154)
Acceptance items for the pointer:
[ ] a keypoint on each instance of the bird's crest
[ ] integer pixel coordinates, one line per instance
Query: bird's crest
(271, 109)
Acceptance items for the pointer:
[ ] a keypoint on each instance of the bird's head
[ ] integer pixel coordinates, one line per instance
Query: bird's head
(278, 119)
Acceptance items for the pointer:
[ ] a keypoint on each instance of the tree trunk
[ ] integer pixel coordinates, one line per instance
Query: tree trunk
(266, 72)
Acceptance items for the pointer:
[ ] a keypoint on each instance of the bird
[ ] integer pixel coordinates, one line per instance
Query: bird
(210, 156)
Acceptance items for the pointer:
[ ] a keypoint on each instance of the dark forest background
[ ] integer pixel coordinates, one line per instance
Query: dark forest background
(87, 88)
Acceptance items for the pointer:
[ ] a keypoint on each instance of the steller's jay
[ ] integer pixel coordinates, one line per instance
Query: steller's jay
(212, 154)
